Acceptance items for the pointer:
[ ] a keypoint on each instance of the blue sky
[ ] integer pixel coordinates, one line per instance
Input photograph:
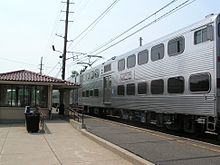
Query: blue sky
(28, 29)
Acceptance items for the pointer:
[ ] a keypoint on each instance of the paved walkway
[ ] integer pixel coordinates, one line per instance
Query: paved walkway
(64, 145)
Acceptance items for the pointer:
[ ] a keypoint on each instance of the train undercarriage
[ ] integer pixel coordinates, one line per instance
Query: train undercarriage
(177, 122)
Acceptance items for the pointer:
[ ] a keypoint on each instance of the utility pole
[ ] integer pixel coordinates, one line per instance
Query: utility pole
(41, 65)
(65, 40)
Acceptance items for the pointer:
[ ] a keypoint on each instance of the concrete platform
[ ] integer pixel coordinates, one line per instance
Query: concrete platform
(158, 148)
(63, 145)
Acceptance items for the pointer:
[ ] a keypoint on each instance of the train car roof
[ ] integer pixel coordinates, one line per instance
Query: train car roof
(207, 20)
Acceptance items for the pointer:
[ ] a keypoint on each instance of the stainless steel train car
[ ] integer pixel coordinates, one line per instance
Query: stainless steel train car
(172, 82)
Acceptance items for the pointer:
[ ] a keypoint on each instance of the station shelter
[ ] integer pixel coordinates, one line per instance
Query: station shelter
(26, 88)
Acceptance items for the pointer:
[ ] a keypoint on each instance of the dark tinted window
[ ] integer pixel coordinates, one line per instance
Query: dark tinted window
(199, 82)
(176, 85)
(96, 92)
(107, 68)
(157, 86)
(121, 90)
(87, 93)
(143, 57)
(131, 61)
(131, 89)
(176, 46)
(91, 92)
(200, 36)
(83, 94)
(219, 29)
(157, 52)
(142, 88)
(121, 64)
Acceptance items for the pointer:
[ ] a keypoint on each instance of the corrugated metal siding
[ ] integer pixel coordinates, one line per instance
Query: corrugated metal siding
(196, 105)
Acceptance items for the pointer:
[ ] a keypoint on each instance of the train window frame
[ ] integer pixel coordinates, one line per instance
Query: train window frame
(176, 46)
(153, 88)
(83, 94)
(91, 93)
(200, 91)
(120, 90)
(172, 89)
(157, 49)
(130, 89)
(131, 61)
(204, 36)
(87, 93)
(139, 86)
(141, 54)
(121, 64)
(218, 29)
(96, 92)
(107, 68)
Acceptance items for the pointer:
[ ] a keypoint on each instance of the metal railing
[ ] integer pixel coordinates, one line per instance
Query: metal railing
(76, 112)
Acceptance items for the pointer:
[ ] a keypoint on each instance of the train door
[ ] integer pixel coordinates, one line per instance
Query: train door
(107, 95)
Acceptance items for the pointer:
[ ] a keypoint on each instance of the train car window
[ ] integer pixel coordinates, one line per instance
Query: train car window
(107, 68)
(130, 89)
(143, 57)
(121, 90)
(142, 88)
(219, 29)
(83, 94)
(157, 52)
(87, 93)
(200, 36)
(131, 61)
(157, 86)
(210, 32)
(121, 65)
(96, 73)
(91, 93)
(176, 84)
(176, 46)
(96, 92)
(200, 82)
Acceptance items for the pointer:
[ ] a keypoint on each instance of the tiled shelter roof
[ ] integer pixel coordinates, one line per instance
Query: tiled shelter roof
(28, 76)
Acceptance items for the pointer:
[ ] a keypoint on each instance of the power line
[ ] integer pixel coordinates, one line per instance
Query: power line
(132, 27)
(94, 23)
(53, 68)
(20, 62)
(186, 3)
(58, 72)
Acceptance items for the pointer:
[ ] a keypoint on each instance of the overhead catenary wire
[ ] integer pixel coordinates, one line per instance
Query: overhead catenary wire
(175, 9)
(132, 27)
(162, 8)
(94, 23)
(184, 4)
(53, 68)
(57, 75)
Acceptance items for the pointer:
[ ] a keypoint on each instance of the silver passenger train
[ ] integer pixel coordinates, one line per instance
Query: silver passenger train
(172, 82)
